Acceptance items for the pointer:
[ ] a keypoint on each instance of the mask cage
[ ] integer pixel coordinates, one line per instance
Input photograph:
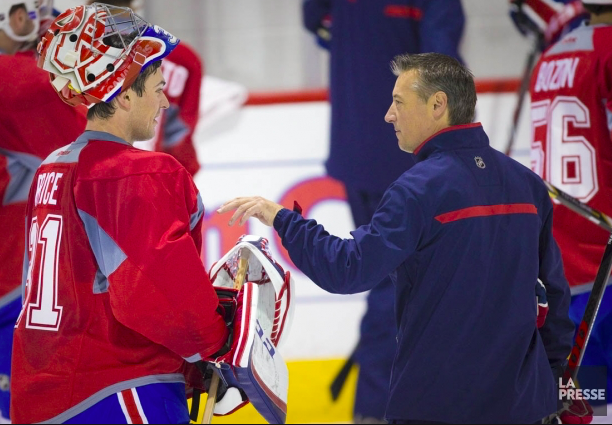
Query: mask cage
(122, 28)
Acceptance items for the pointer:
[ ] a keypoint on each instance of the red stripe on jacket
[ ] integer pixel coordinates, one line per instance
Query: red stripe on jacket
(486, 210)
(402, 11)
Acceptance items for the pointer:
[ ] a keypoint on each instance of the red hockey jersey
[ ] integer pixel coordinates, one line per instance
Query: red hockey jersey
(183, 71)
(116, 293)
(571, 111)
(33, 123)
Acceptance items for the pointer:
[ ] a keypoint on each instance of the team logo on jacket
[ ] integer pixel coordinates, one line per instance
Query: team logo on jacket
(479, 162)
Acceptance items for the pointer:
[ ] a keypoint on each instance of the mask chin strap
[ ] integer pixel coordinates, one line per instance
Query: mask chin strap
(133, 71)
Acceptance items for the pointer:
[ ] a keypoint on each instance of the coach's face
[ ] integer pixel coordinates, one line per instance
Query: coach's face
(415, 119)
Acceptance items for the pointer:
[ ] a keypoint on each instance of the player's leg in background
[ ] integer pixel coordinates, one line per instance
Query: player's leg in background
(377, 347)
(10, 306)
(162, 403)
(599, 346)
(377, 343)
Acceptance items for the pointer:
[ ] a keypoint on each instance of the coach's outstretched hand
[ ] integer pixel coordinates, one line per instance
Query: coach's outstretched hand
(254, 206)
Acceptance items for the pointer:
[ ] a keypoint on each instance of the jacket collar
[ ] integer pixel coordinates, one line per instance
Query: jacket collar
(454, 137)
(99, 135)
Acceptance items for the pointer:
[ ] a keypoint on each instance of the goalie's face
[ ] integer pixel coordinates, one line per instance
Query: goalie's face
(146, 109)
(414, 119)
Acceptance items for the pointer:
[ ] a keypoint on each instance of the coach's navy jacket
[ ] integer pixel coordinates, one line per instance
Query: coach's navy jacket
(465, 234)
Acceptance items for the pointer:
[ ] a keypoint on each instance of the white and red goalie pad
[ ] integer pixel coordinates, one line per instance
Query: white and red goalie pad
(267, 313)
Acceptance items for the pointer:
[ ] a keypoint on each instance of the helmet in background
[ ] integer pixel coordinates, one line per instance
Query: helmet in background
(31, 7)
(94, 52)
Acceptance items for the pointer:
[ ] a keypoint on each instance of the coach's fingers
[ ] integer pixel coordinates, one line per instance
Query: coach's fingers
(242, 207)
(247, 207)
(231, 205)
(252, 210)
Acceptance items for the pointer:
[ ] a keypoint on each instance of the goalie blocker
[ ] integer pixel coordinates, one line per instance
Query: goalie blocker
(253, 370)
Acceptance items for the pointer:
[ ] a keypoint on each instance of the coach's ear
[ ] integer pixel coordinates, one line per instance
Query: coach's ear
(438, 105)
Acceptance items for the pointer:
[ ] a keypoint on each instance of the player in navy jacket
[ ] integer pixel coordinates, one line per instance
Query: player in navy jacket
(464, 234)
(363, 36)
(362, 153)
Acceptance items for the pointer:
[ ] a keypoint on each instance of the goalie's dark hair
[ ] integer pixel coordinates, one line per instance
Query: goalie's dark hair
(105, 110)
(438, 72)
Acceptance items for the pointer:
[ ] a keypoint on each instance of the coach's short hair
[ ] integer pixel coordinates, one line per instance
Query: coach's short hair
(437, 72)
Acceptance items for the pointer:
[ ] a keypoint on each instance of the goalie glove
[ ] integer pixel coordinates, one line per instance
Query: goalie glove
(263, 316)
(230, 308)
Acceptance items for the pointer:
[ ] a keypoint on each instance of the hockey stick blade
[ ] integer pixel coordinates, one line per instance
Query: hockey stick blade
(590, 313)
(584, 210)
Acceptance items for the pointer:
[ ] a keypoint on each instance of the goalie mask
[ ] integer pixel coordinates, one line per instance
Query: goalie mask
(31, 7)
(94, 52)
(267, 313)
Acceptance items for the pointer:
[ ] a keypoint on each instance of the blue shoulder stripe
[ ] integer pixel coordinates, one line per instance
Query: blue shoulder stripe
(196, 216)
(108, 254)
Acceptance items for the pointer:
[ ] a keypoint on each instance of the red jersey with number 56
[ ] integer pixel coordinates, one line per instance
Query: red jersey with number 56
(571, 114)
(116, 293)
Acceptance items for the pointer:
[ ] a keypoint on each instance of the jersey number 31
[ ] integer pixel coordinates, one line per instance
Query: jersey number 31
(41, 304)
